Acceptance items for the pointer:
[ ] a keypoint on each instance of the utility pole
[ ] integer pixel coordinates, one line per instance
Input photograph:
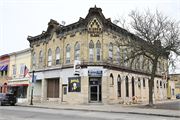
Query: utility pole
(32, 89)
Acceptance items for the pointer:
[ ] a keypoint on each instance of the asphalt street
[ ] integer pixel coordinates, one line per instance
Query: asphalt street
(28, 113)
(165, 105)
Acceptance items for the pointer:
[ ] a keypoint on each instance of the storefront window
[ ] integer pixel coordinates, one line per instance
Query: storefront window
(19, 92)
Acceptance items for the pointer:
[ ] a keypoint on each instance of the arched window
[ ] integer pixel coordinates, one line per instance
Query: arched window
(110, 52)
(163, 66)
(77, 51)
(68, 50)
(138, 62)
(132, 61)
(49, 57)
(118, 55)
(40, 59)
(151, 65)
(127, 88)
(91, 51)
(111, 79)
(159, 67)
(148, 64)
(119, 85)
(142, 62)
(125, 57)
(133, 86)
(143, 82)
(98, 51)
(57, 56)
(34, 60)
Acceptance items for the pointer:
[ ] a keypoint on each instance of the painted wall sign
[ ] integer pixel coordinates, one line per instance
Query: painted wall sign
(94, 72)
(74, 84)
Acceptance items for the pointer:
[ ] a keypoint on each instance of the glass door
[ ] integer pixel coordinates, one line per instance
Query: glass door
(94, 93)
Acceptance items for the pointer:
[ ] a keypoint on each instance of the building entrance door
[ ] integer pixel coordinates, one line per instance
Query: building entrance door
(64, 93)
(161, 93)
(94, 93)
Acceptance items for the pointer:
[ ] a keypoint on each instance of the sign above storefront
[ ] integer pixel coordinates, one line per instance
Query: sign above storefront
(77, 67)
(74, 84)
(94, 72)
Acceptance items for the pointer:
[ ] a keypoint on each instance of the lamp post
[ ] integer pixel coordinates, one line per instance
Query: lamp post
(32, 89)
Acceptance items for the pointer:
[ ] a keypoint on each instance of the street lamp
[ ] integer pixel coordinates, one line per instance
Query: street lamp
(32, 89)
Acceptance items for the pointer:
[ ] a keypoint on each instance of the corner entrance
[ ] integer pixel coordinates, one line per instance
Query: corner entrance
(94, 89)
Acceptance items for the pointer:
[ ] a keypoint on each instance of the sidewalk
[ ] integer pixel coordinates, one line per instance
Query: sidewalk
(118, 108)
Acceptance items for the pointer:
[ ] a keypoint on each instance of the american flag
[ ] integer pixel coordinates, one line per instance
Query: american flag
(26, 70)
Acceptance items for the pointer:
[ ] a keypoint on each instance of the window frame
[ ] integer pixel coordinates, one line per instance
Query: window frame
(77, 51)
(14, 70)
(110, 52)
(49, 58)
(98, 49)
(57, 53)
(21, 72)
(40, 59)
(91, 51)
(68, 54)
(34, 60)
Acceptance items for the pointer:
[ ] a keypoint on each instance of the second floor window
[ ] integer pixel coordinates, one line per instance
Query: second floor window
(40, 59)
(49, 57)
(118, 55)
(68, 49)
(142, 62)
(77, 51)
(148, 64)
(21, 69)
(98, 51)
(14, 69)
(138, 62)
(57, 56)
(34, 60)
(110, 52)
(91, 51)
(126, 57)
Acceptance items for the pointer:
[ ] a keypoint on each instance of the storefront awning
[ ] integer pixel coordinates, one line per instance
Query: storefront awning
(4, 68)
(15, 85)
(1, 67)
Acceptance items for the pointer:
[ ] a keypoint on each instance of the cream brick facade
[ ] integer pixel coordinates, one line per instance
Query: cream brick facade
(95, 27)
(17, 59)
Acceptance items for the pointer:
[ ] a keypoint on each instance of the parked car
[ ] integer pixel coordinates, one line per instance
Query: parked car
(178, 96)
(7, 99)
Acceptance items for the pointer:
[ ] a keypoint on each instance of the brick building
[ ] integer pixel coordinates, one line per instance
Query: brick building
(4, 72)
(76, 64)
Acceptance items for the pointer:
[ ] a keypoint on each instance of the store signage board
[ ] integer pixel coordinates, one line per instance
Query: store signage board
(164, 77)
(94, 72)
(74, 84)
(77, 67)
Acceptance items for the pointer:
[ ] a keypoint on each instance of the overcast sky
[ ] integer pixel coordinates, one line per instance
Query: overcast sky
(20, 18)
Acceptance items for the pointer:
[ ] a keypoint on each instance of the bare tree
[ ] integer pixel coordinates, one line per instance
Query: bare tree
(155, 36)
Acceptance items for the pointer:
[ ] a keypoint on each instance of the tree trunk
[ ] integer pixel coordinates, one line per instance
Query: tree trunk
(151, 84)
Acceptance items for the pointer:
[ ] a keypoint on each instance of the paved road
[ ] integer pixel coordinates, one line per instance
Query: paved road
(28, 113)
(166, 105)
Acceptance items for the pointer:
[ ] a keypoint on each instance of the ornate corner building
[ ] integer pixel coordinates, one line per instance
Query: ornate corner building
(78, 64)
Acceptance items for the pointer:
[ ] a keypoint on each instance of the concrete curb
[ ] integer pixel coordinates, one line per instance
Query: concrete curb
(102, 111)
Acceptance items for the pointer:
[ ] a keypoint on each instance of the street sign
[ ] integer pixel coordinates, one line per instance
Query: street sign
(35, 76)
(32, 87)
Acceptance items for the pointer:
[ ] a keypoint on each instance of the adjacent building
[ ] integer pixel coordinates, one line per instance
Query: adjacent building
(4, 72)
(79, 64)
(18, 83)
(175, 88)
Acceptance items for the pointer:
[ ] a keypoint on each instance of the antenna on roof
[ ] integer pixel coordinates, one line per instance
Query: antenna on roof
(115, 21)
(63, 23)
